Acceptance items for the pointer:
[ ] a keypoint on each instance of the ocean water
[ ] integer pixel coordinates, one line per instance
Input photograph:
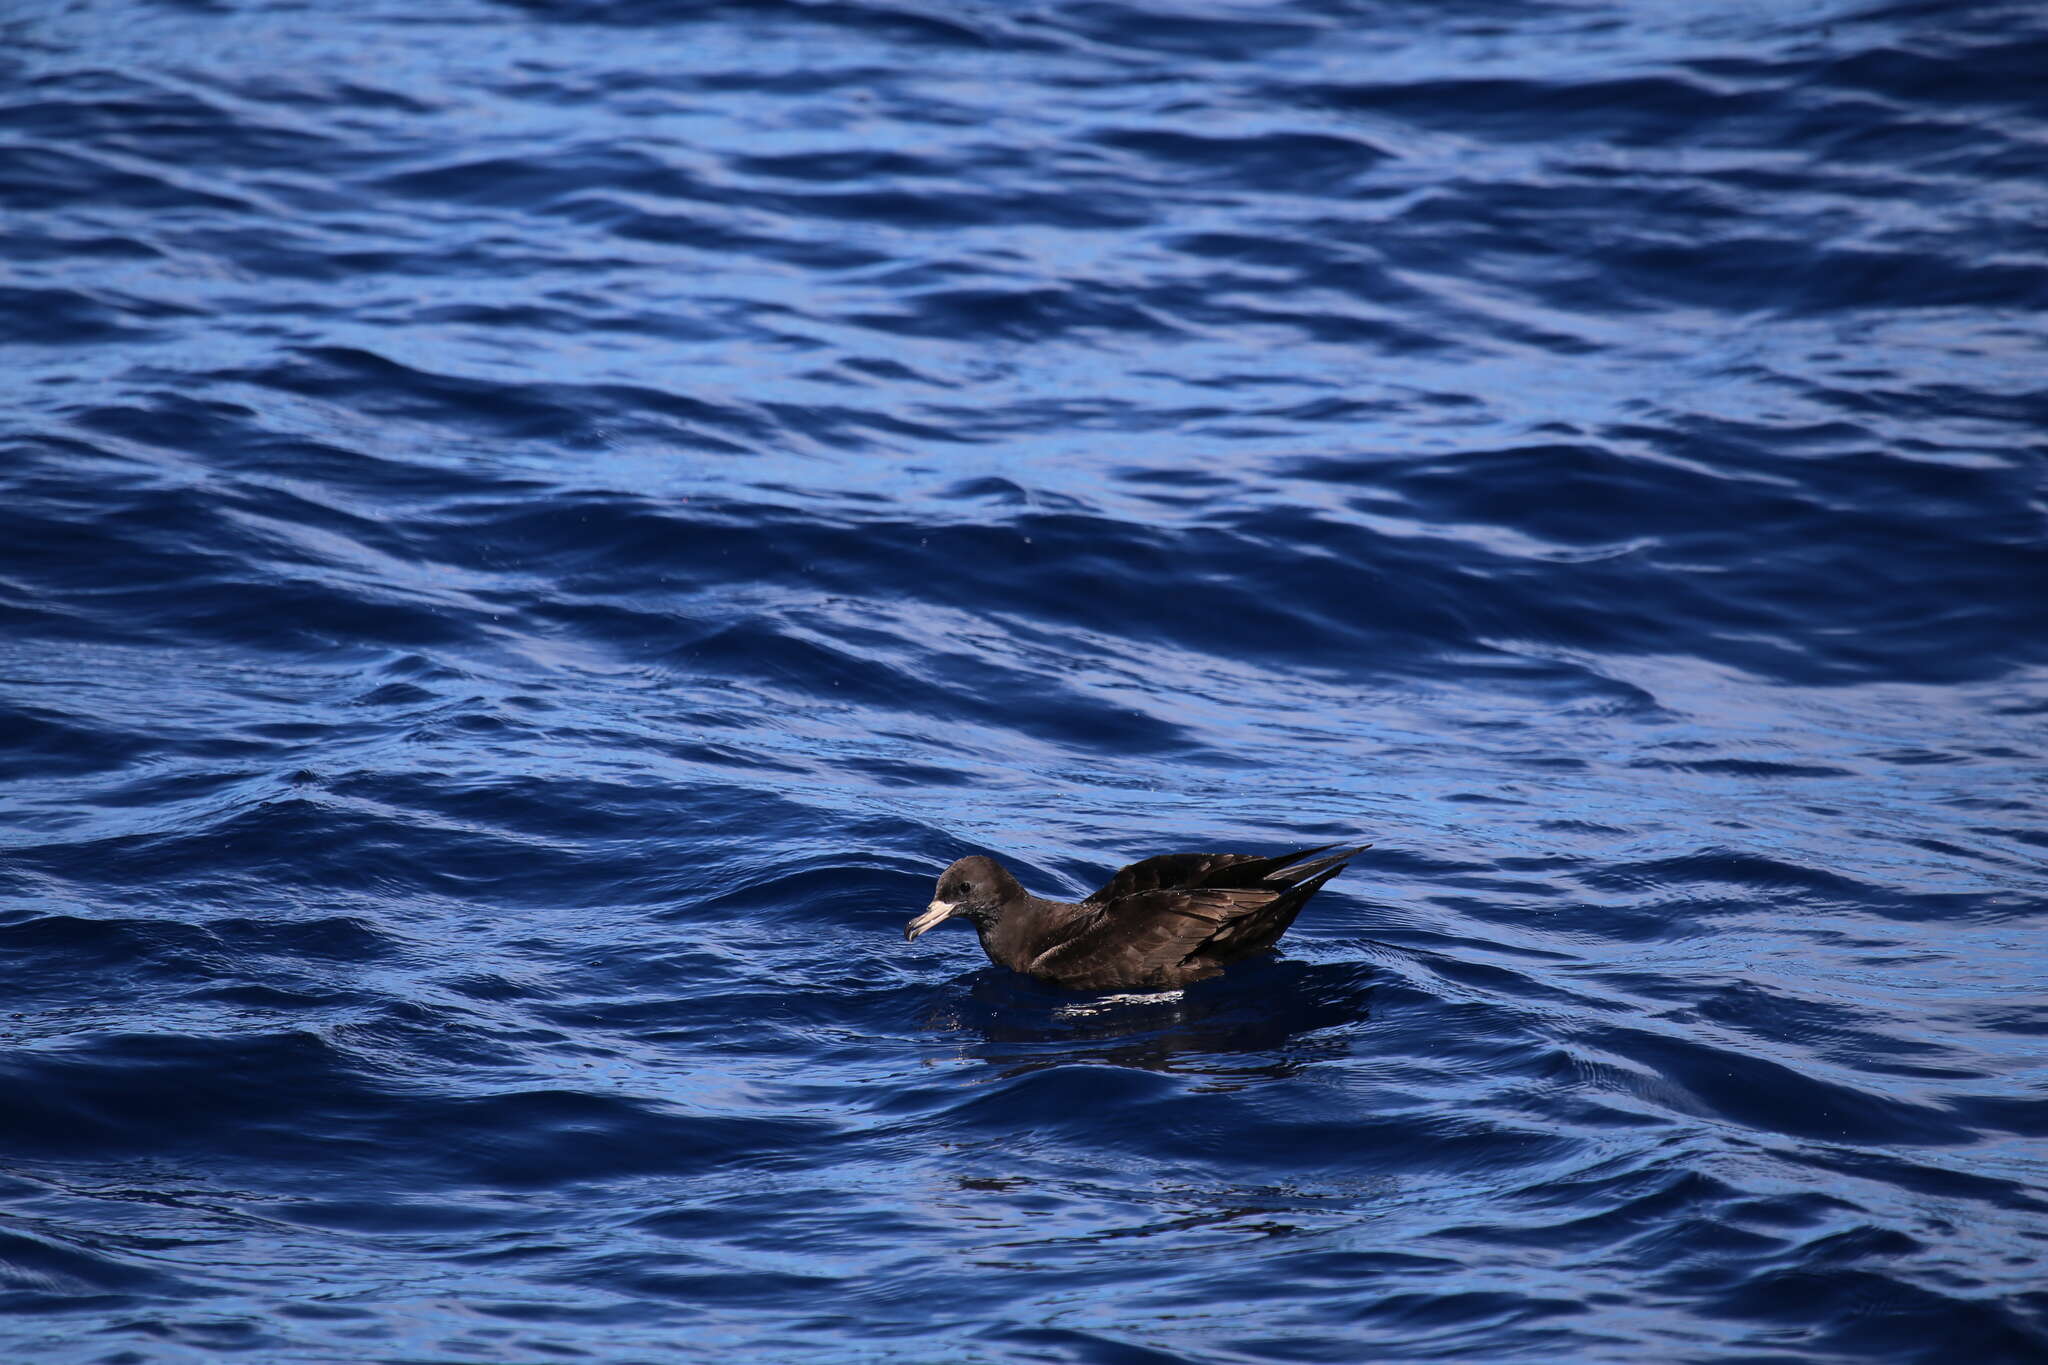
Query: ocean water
(529, 532)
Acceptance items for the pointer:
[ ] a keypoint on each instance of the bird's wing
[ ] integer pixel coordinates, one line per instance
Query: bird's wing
(1150, 934)
(1192, 871)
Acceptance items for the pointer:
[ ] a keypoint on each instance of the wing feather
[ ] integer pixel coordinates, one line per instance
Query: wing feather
(1181, 917)
(1195, 871)
(1151, 935)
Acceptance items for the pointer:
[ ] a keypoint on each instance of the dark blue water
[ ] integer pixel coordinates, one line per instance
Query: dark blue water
(530, 531)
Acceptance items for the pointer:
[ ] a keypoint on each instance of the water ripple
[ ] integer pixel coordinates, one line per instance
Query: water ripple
(530, 531)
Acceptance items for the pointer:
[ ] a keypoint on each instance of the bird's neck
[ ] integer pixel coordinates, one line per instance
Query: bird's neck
(1010, 934)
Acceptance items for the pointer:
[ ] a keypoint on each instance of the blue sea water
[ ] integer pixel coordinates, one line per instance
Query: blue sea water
(530, 531)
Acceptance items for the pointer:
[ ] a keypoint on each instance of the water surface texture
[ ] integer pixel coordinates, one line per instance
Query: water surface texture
(529, 532)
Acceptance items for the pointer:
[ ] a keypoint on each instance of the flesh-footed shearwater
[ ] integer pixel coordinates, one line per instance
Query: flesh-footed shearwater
(1156, 925)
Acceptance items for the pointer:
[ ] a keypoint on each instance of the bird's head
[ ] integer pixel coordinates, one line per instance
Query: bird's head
(973, 889)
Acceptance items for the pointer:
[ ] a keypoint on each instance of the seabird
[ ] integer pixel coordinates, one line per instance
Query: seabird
(1156, 925)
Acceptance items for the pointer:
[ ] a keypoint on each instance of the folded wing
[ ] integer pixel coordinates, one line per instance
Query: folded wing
(1195, 871)
(1182, 917)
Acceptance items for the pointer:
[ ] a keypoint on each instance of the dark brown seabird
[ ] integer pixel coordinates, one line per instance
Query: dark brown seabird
(1156, 925)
